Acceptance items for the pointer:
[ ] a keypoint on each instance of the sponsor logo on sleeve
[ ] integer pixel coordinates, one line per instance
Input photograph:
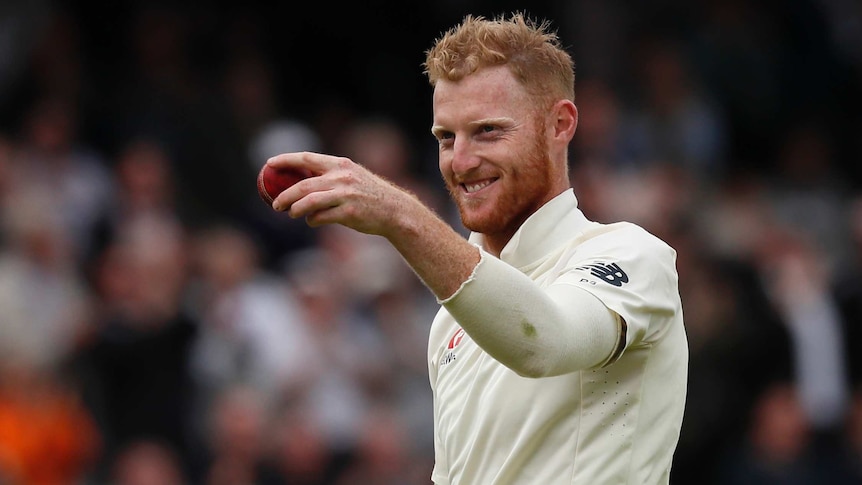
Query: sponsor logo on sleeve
(610, 273)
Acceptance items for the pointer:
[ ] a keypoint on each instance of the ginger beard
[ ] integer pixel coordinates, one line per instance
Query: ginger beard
(527, 180)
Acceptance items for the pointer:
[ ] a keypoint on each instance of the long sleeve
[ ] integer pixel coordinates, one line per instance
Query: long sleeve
(536, 332)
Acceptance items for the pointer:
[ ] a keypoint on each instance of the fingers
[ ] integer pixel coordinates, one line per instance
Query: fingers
(317, 163)
(303, 196)
(339, 191)
(333, 180)
(308, 202)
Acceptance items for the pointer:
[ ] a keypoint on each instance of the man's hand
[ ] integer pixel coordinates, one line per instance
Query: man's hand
(342, 192)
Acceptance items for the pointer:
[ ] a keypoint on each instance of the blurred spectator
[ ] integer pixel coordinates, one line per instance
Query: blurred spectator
(8, 148)
(384, 453)
(46, 308)
(300, 453)
(145, 181)
(853, 437)
(808, 193)
(51, 157)
(238, 421)
(673, 120)
(136, 367)
(732, 328)
(656, 196)
(596, 151)
(598, 141)
(47, 437)
(777, 443)
(400, 313)
(393, 309)
(252, 325)
(349, 349)
(253, 101)
(778, 446)
(798, 282)
(145, 187)
(847, 289)
(736, 217)
(147, 462)
(167, 96)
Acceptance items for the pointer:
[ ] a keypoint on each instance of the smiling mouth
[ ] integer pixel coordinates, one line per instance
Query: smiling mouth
(474, 187)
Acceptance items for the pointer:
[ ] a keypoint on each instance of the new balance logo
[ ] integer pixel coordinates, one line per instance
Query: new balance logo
(607, 272)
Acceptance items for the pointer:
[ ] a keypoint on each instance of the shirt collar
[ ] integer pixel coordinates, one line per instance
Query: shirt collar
(556, 222)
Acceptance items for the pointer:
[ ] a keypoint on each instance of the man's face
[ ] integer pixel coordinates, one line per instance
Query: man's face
(493, 151)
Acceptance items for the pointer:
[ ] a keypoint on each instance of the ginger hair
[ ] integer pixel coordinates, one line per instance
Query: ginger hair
(529, 49)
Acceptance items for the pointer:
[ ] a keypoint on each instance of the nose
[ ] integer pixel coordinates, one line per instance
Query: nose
(464, 158)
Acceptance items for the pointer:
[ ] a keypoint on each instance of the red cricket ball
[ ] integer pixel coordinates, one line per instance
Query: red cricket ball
(273, 181)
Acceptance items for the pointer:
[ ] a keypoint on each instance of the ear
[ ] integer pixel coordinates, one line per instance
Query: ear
(565, 120)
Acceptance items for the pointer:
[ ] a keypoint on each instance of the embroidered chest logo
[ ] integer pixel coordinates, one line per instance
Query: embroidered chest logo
(456, 339)
(450, 349)
(608, 272)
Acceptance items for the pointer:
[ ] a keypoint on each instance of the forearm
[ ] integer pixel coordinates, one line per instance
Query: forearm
(441, 257)
(536, 332)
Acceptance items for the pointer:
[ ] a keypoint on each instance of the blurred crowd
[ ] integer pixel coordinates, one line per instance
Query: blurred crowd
(160, 325)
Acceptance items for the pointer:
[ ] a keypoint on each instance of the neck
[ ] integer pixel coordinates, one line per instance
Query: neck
(494, 243)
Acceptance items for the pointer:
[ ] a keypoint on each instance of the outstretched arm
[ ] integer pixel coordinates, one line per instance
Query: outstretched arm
(535, 332)
(346, 193)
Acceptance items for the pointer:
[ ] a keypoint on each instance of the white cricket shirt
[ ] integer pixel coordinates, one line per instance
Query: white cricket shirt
(614, 424)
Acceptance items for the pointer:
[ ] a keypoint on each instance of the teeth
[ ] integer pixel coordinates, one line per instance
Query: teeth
(477, 186)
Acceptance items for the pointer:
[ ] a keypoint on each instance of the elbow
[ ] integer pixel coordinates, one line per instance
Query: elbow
(532, 366)
(538, 364)
(531, 372)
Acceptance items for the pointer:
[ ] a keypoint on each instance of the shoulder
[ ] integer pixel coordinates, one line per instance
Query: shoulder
(624, 240)
(632, 272)
(623, 257)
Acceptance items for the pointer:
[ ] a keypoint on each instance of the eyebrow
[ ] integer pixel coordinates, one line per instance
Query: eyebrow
(436, 130)
(493, 121)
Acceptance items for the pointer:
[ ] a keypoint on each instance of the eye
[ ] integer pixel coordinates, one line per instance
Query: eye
(445, 137)
(489, 132)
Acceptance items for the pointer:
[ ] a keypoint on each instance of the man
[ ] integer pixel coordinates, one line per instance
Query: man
(559, 354)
